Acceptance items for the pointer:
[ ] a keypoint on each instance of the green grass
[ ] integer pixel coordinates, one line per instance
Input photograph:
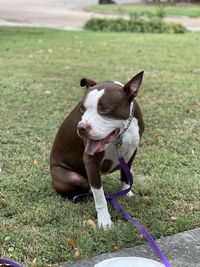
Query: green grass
(39, 85)
(193, 11)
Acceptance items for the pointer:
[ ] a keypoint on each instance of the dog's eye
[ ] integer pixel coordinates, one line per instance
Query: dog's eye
(103, 109)
(82, 108)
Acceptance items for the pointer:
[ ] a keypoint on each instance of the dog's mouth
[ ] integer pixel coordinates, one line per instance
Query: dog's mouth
(95, 146)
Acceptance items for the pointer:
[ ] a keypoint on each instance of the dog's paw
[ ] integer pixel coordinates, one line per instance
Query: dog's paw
(105, 224)
(127, 186)
(130, 194)
(104, 220)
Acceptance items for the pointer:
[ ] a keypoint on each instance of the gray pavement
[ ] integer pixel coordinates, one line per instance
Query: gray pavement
(44, 13)
(62, 14)
(182, 250)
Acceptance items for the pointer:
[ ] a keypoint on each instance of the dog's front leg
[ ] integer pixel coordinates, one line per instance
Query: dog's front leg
(92, 165)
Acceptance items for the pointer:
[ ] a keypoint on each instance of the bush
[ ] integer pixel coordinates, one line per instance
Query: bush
(160, 13)
(154, 25)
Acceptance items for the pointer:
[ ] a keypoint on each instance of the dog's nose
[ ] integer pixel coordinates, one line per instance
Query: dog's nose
(83, 128)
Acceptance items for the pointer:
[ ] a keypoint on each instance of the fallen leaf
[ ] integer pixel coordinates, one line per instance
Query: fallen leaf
(11, 249)
(77, 253)
(66, 68)
(7, 238)
(173, 218)
(67, 49)
(91, 223)
(115, 249)
(47, 92)
(35, 161)
(34, 262)
(71, 241)
(196, 70)
(140, 236)
(40, 51)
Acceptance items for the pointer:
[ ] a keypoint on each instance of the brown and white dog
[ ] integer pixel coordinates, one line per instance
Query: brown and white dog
(107, 122)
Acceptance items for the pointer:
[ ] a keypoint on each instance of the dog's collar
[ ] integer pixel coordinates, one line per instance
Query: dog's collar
(118, 141)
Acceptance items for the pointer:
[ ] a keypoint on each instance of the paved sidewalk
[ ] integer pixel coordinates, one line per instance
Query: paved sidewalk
(182, 250)
(63, 14)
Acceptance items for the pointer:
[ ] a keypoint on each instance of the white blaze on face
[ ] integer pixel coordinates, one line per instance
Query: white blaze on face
(91, 115)
(101, 126)
(103, 129)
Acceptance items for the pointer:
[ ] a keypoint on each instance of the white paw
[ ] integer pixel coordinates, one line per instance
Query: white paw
(127, 186)
(104, 220)
(130, 194)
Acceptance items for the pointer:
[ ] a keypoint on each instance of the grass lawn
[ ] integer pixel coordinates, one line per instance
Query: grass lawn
(39, 85)
(193, 11)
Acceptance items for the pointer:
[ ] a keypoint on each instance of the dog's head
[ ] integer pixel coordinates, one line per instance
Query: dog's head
(105, 109)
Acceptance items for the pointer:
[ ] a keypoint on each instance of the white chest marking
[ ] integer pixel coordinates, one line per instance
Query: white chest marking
(131, 139)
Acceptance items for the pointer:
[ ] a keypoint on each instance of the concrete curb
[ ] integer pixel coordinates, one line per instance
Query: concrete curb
(182, 250)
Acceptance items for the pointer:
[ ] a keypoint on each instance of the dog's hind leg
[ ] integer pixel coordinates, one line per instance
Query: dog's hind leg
(67, 182)
(124, 180)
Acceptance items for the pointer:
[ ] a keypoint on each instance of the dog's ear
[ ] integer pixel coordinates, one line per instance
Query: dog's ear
(87, 82)
(131, 88)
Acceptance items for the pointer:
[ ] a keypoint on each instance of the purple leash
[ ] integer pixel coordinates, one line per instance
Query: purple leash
(117, 206)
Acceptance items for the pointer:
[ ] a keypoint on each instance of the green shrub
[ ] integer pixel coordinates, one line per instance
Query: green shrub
(160, 12)
(153, 25)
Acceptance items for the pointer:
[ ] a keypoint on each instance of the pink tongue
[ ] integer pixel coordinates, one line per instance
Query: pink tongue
(92, 146)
